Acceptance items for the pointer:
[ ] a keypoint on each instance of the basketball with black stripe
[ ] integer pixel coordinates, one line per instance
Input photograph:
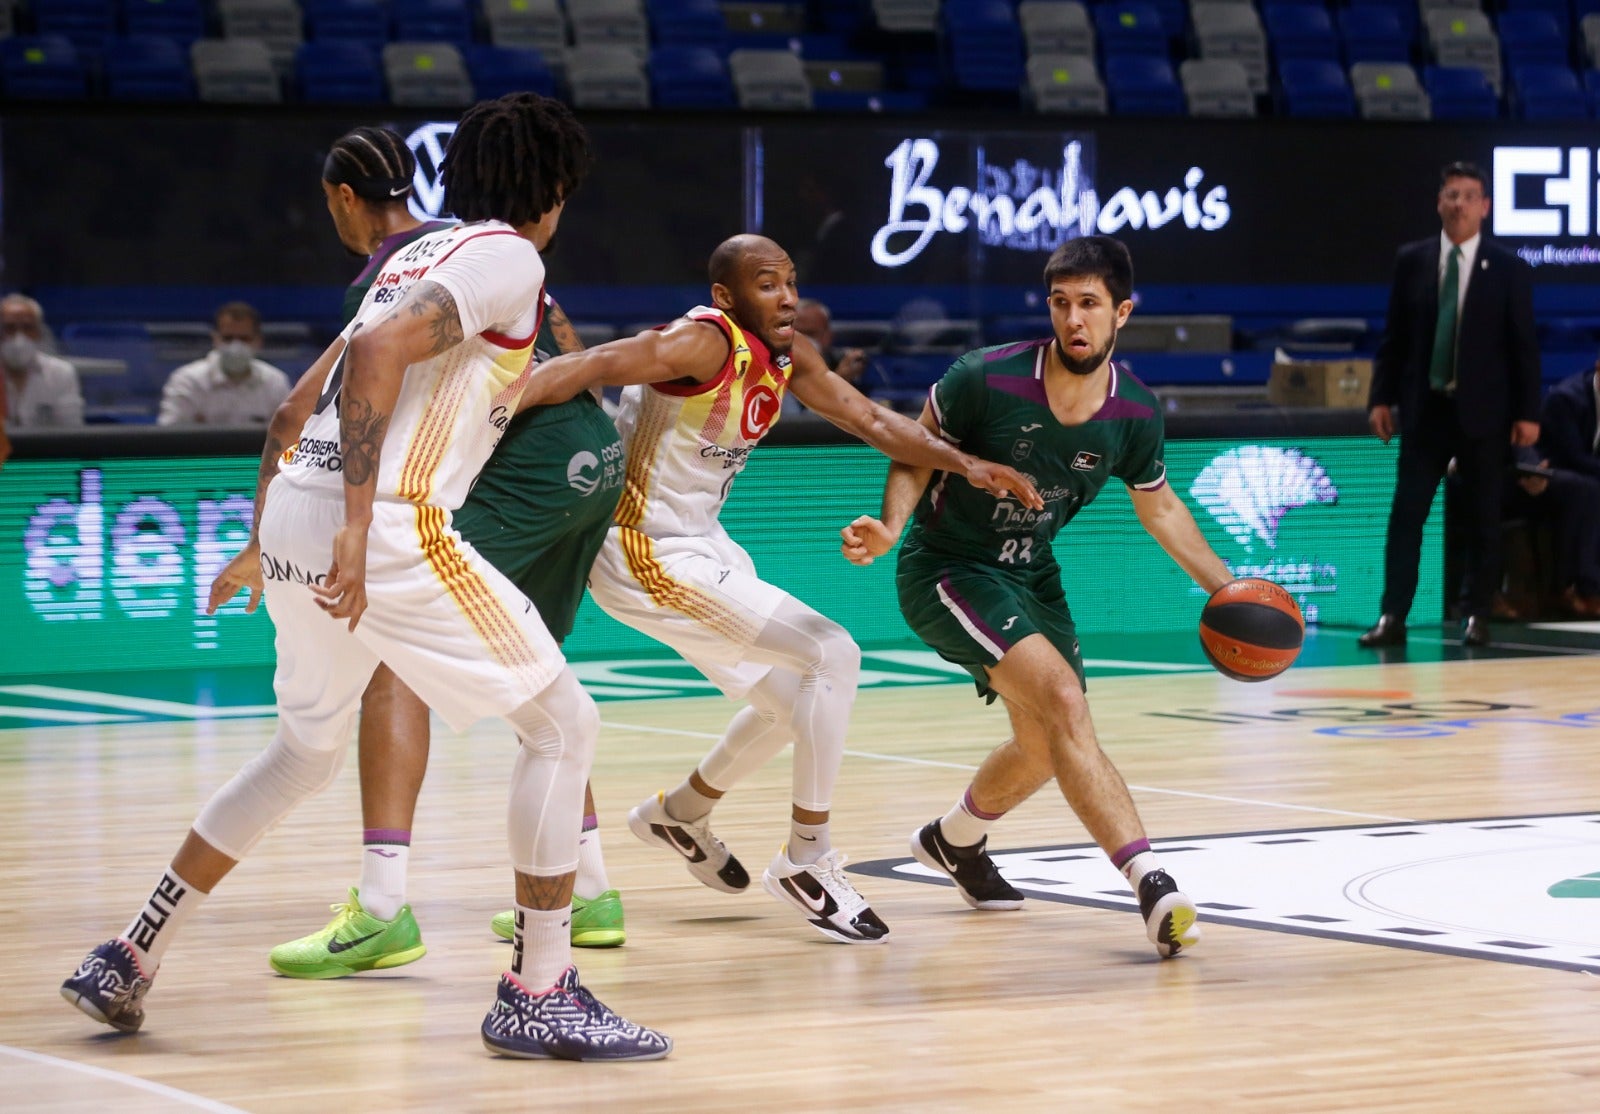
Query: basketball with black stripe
(1251, 629)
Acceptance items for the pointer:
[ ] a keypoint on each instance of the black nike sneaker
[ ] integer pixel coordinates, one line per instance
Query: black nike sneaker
(972, 870)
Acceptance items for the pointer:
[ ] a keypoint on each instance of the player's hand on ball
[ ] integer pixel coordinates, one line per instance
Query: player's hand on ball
(1003, 480)
(865, 540)
(244, 571)
(343, 592)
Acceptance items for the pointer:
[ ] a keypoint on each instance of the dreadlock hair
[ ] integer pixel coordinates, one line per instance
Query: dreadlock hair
(514, 159)
(374, 162)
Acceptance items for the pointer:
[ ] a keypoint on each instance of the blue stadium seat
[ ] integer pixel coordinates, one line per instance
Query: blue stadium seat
(1548, 93)
(1129, 28)
(358, 21)
(1460, 93)
(683, 76)
(1143, 85)
(498, 70)
(182, 21)
(42, 68)
(885, 100)
(1560, 9)
(1531, 37)
(984, 44)
(1315, 87)
(431, 21)
(687, 23)
(1297, 30)
(148, 68)
(338, 73)
(1404, 10)
(1373, 33)
(87, 24)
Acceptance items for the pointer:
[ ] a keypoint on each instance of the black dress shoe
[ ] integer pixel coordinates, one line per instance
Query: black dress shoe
(1475, 631)
(1387, 631)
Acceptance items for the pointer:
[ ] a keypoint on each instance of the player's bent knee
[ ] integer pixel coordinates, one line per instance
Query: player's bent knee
(259, 795)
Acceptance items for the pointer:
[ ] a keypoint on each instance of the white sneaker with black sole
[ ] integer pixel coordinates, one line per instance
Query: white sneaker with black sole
(825, 898)
(707, 858)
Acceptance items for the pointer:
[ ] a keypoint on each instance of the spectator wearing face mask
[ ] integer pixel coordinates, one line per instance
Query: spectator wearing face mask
(229, 386)
(40, 390)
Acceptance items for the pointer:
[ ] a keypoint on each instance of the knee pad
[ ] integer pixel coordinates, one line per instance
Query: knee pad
(264, 791)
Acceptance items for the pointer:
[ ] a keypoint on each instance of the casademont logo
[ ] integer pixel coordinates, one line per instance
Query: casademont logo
(1250, 488)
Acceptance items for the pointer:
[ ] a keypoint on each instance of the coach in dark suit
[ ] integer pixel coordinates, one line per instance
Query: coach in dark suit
(1460, 360)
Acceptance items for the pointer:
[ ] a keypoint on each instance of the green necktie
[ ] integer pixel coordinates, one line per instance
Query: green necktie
(1442, 368)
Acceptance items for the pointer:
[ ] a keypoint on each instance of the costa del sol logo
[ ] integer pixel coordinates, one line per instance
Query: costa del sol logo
(1250, 488)
(583, 472)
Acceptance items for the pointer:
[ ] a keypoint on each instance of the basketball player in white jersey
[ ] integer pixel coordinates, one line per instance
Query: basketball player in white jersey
(413, 398)
(705, 389)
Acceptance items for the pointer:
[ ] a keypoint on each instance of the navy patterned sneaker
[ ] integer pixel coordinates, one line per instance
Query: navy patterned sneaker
(825, 898)
(976, 877)
(1169, 916)
(109, 986)
(566, 1022)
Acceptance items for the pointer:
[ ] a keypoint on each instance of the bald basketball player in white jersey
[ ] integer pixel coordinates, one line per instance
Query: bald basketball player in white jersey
(702, 393)
(411, 400)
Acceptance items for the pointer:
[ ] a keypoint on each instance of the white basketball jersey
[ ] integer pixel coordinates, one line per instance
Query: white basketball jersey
(685, 444)
(452, 409)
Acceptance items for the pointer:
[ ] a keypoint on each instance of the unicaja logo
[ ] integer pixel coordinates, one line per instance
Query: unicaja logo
(1249, 489)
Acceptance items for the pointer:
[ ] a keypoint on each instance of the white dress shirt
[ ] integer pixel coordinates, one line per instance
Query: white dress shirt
(201, 393)
(47, 396)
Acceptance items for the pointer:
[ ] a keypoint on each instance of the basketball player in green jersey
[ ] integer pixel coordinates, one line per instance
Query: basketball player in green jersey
(979, 583)
(562, 461)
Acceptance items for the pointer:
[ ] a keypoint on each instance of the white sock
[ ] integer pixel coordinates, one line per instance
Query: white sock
(688, 804)
(385, 854)
(808, 842)
(591, 881)
(966, 824)
(171, 903)
(1137, 867)
(542, 946)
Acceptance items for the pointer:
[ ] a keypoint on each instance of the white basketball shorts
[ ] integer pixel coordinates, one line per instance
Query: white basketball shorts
(447, 622)
(700, 595)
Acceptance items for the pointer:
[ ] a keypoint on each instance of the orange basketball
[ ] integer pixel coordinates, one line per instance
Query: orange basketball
(1251, 629)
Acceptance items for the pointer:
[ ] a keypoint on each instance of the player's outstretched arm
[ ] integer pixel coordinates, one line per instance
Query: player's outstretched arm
(691, 351)
(1169, 522)
(892, 434)
(867, 538)
(244, 570)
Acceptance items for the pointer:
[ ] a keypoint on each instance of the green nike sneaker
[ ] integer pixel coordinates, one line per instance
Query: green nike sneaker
(354, 941)
(596, 922)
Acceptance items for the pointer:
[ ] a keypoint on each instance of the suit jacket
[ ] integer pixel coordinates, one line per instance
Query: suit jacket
(1567, 425)
(1497, 351)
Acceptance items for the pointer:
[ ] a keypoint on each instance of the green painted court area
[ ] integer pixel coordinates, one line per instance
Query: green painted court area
(140, 696)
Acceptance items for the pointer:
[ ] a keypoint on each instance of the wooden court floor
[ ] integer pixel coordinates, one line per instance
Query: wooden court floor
(1057, 1006)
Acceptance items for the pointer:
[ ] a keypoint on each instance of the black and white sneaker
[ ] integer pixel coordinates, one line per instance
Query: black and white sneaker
(707, 858)
(825, 898)
(109, 986)
(565, 1022)
(976, 877)
(1169, 916)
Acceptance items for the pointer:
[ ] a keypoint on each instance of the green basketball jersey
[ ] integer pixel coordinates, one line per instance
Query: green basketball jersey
(356, 292)
(992, 404)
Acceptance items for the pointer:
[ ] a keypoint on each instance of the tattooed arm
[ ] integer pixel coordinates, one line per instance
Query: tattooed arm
(568, 340)
(244, 571)
(425, 324)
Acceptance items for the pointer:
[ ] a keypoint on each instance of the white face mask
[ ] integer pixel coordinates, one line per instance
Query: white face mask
(19, 353)
(235, 356)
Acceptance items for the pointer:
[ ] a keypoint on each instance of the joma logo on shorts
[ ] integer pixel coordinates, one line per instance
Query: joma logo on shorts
(273, 568)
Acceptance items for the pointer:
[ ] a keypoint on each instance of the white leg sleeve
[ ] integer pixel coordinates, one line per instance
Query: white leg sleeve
(828, 663)
(557, 729)
(756, 734)
(262, 793)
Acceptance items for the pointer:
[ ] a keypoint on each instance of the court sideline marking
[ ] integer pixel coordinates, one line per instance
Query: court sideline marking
(965, 766)
(160, 1090)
